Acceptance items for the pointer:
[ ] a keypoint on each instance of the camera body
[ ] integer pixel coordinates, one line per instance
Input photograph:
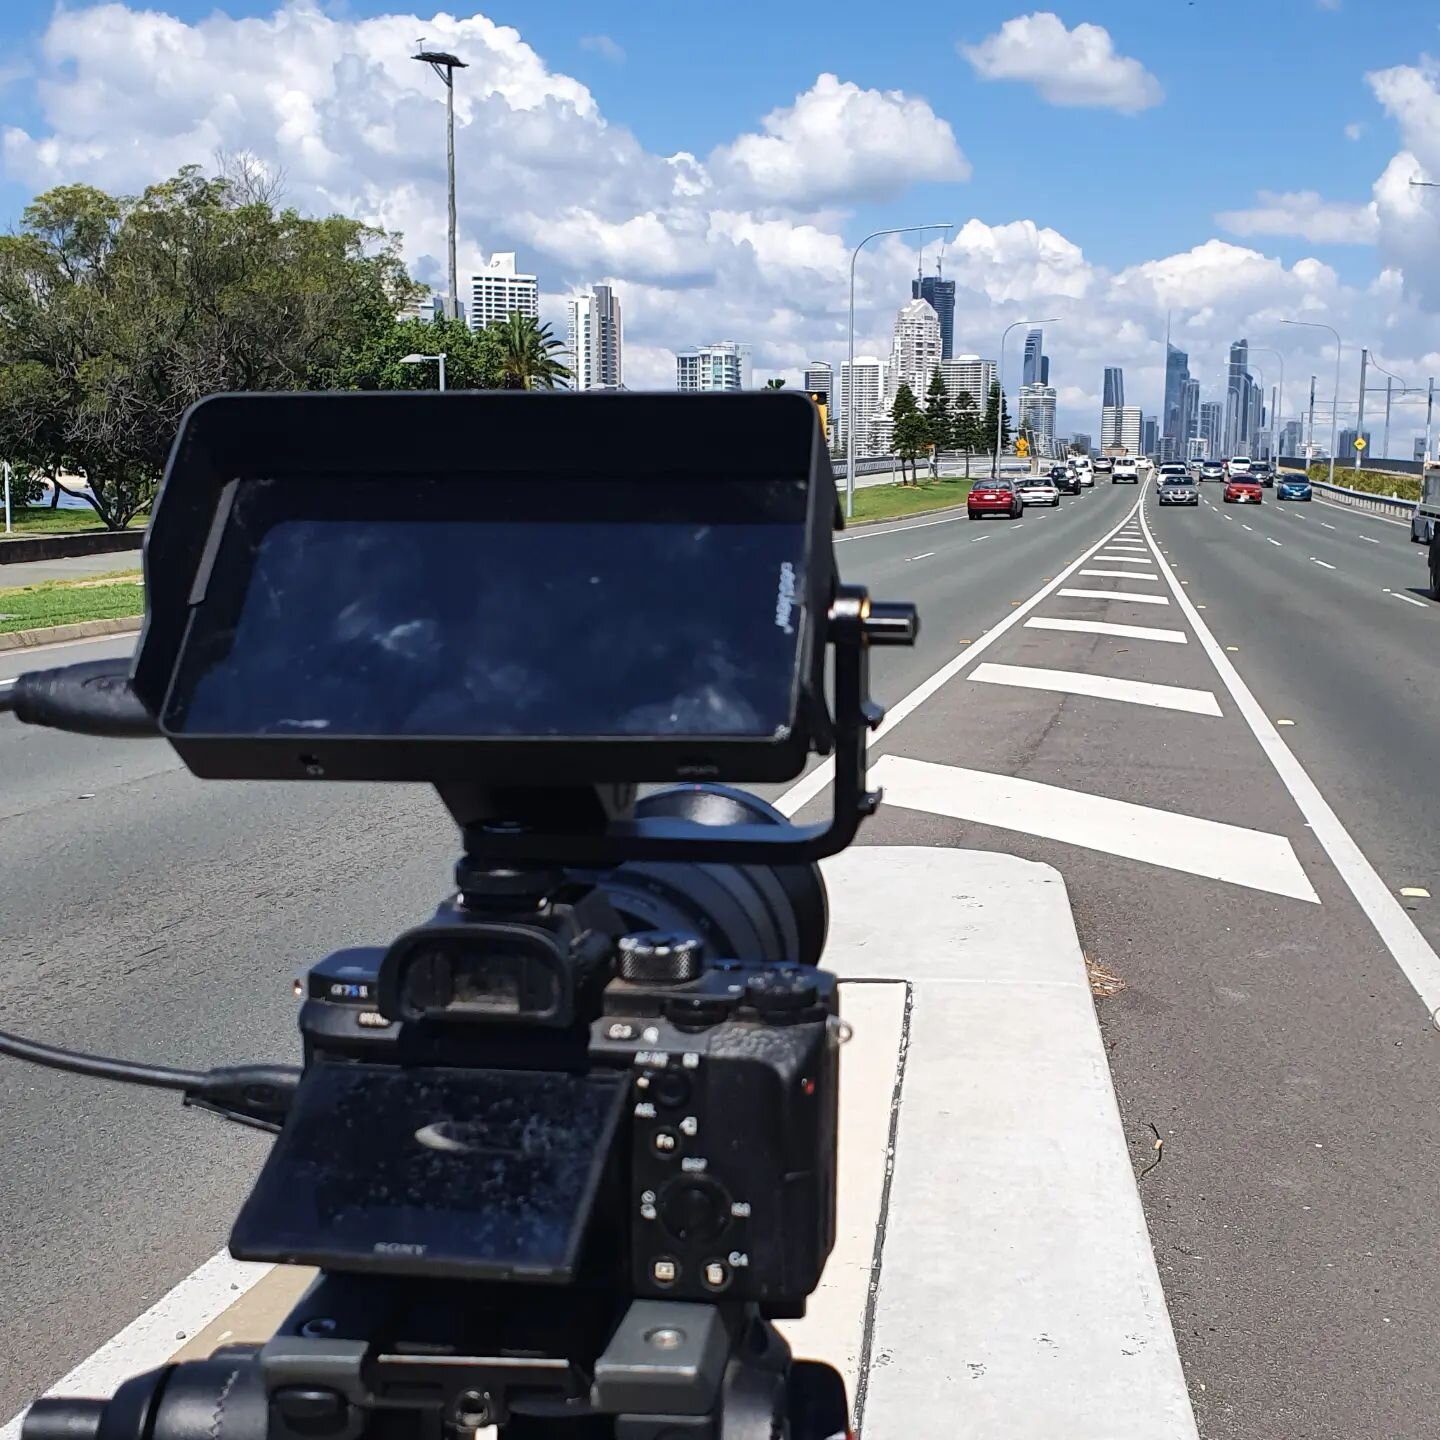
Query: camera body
(692, 1105)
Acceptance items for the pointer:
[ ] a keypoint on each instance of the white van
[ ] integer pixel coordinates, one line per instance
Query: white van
(1426, 519)
(1126, 471)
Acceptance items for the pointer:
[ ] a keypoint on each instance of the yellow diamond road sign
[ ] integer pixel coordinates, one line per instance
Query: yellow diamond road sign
(1359, 442)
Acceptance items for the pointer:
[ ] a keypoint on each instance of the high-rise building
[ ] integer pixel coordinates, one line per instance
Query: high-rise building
(1172, 415)
(940, 294)
(428, 308)
(1109, 427)
(1130, 423)
(1044, 369)
(861, 395)
(724, 365)
(1292, 438)
(820, 380)
(1037, 417)
(1212, 429)
(1189, 414)
(499, 291)
(915, 350)
(1244, 403)
(1081, 441)
(596, 338)
(1345, 445)
(1114, 387)
(1032, 371)
(1150, 438)
(971, 374)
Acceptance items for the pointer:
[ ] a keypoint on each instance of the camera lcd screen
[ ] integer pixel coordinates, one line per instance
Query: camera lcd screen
(498, 608)
(487, 1174)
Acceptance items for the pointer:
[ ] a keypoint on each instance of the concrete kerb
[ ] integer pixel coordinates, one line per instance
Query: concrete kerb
(81, 630)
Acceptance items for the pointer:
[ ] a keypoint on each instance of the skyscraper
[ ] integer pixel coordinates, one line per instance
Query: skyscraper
(1044, 369)
(915, 350)
(1081, 442)
(1345, 445)
(1114, 387)
(499, 291)
(724, 365)
(1032, 372)
(1130, 423)
(1212, 429)
(868, 386)
(1239, 401)
(1037, 417)
(1150, 437)
(595, 340)
(940, 295)
(1292, 438)
(1189, 415)
(1109, 427)
(820, 380)
(971, 374)
(1172, 416)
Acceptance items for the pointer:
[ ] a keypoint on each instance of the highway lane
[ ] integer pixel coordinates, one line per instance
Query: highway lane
(149, 915)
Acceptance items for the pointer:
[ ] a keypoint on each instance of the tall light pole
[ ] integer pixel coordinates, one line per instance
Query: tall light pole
(1000, 382)
(1280, 404)
(445, 65)
(427, 360)
(848, 394)
(1390, 378)
(1335, 404)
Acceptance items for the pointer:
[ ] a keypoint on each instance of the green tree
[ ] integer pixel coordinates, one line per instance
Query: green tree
(996, 402)
(966, 427)
(129, 309)
(911, 432)
(526, 354)
(937, 416)
(774, 383)
(376, 362)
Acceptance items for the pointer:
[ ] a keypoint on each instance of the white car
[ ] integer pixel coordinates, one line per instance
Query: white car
(1126, 471)
(1236, 466)
(1037, 490)
(1085, 470)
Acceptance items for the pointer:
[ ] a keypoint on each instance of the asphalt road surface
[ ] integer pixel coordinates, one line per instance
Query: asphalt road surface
(1264, 1030)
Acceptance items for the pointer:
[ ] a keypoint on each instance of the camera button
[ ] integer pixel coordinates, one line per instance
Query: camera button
(665, 1271)
(716, 1275)
(671, 1089)
(665, 1142)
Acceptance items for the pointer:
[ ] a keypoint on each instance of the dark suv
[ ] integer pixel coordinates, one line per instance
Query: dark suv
(1263, 474)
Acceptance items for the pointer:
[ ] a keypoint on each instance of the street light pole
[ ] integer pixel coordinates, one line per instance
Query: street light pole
(1000, 384)
(1335, 404)
(1390, 379)
(847, 390)
(445, 65)
(426, 360)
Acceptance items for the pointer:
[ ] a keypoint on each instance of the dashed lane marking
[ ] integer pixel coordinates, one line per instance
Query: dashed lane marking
(1099, 687)
(1274, 541)
(1106, 627)
(1325, 563)
(1408, 599)
(1252, 858)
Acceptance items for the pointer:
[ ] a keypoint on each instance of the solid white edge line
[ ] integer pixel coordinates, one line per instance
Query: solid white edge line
(1409, 948)
(1364, 514)
(150, 1339)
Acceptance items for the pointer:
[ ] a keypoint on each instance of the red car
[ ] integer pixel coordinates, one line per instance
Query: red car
(1243, 491)
(994, 497)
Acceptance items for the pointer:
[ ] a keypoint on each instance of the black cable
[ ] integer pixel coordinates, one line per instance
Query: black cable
(100, 1066)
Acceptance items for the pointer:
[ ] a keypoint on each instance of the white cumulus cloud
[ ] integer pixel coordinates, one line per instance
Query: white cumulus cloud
(1077, 67)
(838, 141)
(1305, 214)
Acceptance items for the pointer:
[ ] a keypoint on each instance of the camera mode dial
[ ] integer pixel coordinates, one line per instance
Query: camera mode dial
(660, 957)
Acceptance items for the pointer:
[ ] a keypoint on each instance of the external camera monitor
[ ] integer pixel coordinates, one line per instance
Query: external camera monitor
(491, 587)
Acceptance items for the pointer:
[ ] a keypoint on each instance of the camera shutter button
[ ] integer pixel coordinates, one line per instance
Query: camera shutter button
(778, 993)
(659, 957)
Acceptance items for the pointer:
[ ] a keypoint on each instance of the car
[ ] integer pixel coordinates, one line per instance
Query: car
(1065, 479)
(1104, 464)
(1084, 469)
(1177, 490)
(1037, 490)
(1125, 470)
(1293, 487)
(1173, 469)
(994, 497)
(1242, 490)
(1212, 470)
(1237, 465)
(1263, 473)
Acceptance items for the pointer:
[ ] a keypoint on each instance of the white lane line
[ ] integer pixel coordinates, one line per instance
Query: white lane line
(1248, 527)
(1252, 858)
(1106, 627)
(1273, 541)
(1363, 514)
(1116, 595)
(1408, 599)
(1370, 539)
(1100, 687)
(979, 538)
(1128, 545)
(1110, 559)
(867, 534)
(1325, 563)
(1327, 524)
(1018, 525)
(925, 556)
(1121, 574)
(1411, 951)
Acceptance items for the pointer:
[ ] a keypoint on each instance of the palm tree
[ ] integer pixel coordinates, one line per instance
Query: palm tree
(525, 351)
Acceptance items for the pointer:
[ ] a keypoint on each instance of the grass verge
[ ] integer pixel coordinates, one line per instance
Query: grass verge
(64, 602)
(1373, 482)
(885, 502)
(29, 520)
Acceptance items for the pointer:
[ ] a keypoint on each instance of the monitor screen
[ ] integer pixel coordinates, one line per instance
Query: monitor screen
(498, 609)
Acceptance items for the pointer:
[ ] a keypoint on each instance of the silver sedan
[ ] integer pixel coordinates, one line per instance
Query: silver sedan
(1177, 490)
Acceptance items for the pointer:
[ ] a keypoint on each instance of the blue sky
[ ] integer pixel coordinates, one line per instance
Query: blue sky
(1249, 96)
